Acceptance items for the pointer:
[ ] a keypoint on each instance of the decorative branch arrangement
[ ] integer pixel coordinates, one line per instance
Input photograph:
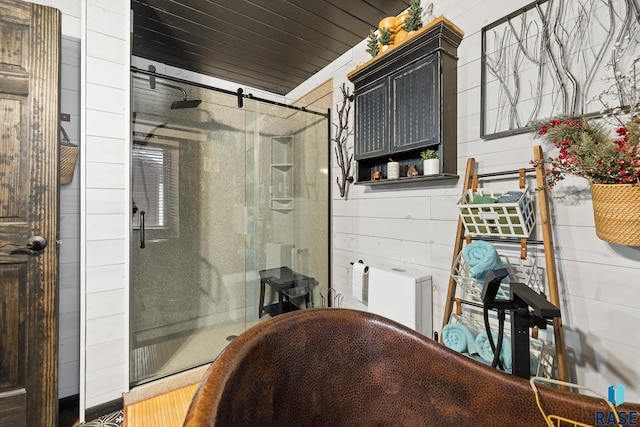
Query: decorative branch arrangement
(343, 158)
(550, 59)
(620, 101)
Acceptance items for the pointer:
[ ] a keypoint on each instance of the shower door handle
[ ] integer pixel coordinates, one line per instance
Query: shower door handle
(141, 229)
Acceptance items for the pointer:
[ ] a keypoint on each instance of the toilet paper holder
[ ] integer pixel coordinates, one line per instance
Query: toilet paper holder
(359, 284)
(366, 267)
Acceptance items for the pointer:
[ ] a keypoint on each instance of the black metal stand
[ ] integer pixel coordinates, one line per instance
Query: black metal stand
(527, 308)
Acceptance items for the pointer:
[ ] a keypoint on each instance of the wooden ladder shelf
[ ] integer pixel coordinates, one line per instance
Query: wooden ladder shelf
(470, 182)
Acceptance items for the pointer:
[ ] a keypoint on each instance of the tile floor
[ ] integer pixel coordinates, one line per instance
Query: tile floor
(115, 419)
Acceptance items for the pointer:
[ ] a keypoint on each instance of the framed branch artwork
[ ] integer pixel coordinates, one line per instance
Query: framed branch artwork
(557, 58)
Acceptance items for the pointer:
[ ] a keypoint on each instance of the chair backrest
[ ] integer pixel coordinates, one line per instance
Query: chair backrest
(341, 367)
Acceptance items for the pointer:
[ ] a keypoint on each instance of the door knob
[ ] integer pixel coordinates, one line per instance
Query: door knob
(36, 243)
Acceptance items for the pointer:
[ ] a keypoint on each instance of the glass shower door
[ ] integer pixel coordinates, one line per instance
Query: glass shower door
(187, 254)
(220, 193)
(287, 198)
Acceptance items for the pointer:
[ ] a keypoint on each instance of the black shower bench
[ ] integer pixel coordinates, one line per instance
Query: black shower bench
(290, 286)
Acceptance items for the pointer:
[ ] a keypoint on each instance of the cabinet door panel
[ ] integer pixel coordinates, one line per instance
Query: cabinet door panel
(416, 105)
(372, 121)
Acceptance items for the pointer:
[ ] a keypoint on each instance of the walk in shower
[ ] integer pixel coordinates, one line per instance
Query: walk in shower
(224, 187)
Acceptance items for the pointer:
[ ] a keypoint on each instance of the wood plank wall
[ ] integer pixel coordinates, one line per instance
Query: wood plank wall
(105, 192)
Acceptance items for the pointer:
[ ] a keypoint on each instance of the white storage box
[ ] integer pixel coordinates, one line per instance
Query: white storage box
(497, 219)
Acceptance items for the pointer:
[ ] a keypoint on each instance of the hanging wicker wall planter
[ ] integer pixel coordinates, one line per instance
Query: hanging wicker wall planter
(616, 210)
(68, 158)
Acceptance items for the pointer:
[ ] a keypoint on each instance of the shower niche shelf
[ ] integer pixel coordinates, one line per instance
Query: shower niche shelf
(281, 188)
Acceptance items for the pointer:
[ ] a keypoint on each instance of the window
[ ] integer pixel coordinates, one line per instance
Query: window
(155, 188)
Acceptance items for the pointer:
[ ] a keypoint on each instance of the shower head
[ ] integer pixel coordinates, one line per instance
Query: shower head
(185, 103)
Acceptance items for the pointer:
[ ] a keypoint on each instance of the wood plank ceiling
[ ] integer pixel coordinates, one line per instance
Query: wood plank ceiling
(273, 45)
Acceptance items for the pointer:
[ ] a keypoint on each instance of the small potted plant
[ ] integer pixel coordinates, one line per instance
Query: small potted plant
(430, 162)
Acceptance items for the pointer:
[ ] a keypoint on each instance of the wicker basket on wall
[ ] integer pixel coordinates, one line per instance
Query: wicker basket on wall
(616, 211)
(68, 158)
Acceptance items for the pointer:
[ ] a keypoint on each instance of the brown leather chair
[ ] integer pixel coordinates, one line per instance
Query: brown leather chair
(341, 367)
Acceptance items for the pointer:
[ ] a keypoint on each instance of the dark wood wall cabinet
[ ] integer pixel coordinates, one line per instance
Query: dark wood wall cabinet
(405, 103)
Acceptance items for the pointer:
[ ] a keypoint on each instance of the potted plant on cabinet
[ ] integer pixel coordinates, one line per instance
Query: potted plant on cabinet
(430, 162)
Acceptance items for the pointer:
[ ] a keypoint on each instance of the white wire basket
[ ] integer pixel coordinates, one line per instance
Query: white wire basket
(520, 270)
(515, 219)
(546, 359)
(542, 351)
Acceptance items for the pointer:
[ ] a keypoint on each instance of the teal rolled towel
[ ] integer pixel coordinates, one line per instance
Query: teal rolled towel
(483, 346)
(533, 365)
(460, 338)
(482, 258)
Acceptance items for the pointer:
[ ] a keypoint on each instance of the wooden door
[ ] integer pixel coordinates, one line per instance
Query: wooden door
(29, 134)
